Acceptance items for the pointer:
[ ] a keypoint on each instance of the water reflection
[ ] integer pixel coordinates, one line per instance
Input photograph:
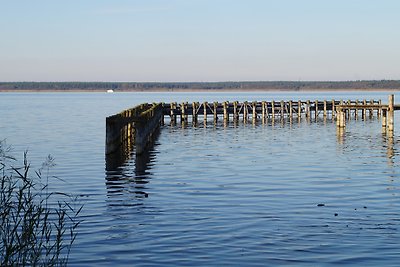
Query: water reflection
(128, 173)
(120, 156)
(388, 141)
(340, 135)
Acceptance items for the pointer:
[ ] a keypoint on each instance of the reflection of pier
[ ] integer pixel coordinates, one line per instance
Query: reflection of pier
(134, 180)
(387, 140)
(132, 129)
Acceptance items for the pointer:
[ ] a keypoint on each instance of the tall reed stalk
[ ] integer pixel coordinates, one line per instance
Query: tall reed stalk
(37, 227)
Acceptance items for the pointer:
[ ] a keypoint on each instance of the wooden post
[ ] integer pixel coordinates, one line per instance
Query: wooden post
(245, 115)
(186, 111)
(308, 109)
(263, 111)
(356, 110)
(254, 116)
(273, 109)
(186, 117)
(341, 118)
(162, 118)
(299, 109)
(333, 108)
(226, 114)
(325, 108)
(173, 112)
(194, 113)
(390, 115)
(282, 109)
(340, 103)
(372, 101)
(205, 104)
(316, 110)
(215, 112)
(183, 113)
(128, 125)
(348, 110)
(364, 111)
(380, 108)
(384, 118)
(235, 111)
(291, 109)
(370, 114)
(337, 118)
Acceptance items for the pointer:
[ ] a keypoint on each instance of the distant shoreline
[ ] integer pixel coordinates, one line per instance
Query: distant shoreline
(194, 90)
(245, 86)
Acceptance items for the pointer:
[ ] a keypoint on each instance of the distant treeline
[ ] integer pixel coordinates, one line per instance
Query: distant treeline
(171, 86)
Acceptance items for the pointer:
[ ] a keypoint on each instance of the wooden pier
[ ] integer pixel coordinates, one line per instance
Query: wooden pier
(261, 111)
(138, 124)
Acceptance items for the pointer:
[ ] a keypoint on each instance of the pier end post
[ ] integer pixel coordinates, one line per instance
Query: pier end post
(390, 115)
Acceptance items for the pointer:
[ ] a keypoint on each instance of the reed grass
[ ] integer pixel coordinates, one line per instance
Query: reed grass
(37, 226)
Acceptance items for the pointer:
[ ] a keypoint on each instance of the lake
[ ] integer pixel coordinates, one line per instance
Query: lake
(237, 195)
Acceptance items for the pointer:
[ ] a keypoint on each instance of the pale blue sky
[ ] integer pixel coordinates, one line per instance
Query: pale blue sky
(199, 40)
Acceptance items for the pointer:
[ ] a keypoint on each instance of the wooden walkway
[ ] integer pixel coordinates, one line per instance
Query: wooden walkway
(265, 110)
(138, 124)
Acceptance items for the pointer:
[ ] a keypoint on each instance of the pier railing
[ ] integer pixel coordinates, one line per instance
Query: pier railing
(137, 125)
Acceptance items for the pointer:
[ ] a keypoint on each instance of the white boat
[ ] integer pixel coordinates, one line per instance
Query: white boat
(110, 91)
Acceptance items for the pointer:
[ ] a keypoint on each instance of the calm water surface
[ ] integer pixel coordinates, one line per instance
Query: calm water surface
(244, 195)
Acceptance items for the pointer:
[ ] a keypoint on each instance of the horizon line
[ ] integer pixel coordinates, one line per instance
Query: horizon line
(226, 81)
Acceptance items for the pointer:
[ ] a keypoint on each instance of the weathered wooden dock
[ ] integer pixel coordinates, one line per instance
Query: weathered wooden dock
(138, 124)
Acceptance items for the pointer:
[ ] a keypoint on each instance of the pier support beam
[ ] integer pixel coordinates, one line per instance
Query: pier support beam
(390, 115)
(254, 115)
(356, 111)
(384, 119)
(235, 111)
(245, 112)
(173, 112)
(226, 114)
(205, 104)
(333, 109)
(215, 112)
(263, 104)
(273, 109)
(299, 109)
(194, 112)
(341, 118)
(364, 111)
(308, 109)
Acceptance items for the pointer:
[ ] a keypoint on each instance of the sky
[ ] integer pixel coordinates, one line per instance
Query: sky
(199, 40)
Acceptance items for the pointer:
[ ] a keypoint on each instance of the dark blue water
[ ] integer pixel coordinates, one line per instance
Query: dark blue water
(244, 195)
